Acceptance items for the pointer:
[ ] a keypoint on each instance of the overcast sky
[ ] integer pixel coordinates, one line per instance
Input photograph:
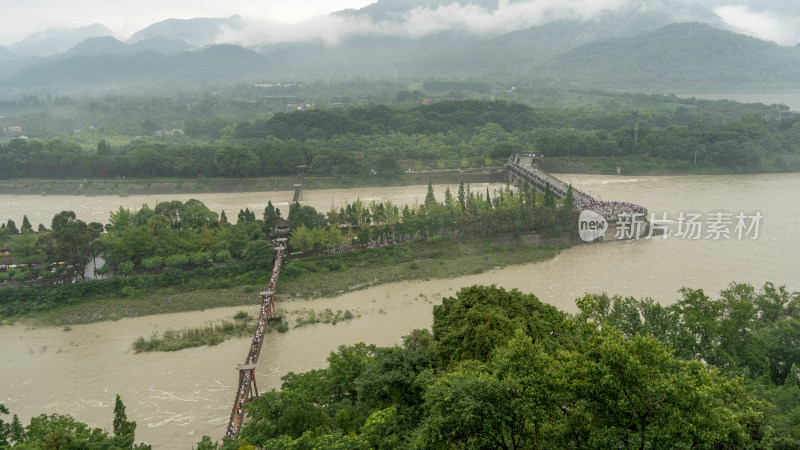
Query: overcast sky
(125, 17)
(775, 20)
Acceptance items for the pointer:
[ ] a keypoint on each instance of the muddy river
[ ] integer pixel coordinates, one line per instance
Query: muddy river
(177, 397)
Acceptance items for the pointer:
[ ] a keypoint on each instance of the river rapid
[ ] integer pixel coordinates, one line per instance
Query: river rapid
(178, 397)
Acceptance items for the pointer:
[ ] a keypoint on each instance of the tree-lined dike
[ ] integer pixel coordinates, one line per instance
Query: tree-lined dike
(318, 277)
(174, 412)
(129, 187)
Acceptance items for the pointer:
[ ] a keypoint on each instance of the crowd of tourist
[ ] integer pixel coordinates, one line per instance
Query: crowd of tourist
(267, 312)
(610, 210)
(539, 178)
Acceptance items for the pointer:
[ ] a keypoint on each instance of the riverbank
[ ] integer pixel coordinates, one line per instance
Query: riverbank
(238, 185)
(629, 166)
(647, 166)
(323, 276)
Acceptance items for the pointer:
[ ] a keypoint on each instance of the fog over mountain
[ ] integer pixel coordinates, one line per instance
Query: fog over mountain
(57, 40)
(610, 39)
(774, 20)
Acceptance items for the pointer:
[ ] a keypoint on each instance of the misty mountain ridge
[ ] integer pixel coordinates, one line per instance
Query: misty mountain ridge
(687, 54)
(672, 58)
(109, 45)
(57, 40)
(637, 45)
(197, 32)
(7, 55)
(416, 19)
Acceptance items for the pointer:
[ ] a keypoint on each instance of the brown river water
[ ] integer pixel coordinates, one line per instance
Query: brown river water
(177, 397)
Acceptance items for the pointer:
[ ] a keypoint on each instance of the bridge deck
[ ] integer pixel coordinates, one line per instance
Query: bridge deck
(524, 168)
(247, 388)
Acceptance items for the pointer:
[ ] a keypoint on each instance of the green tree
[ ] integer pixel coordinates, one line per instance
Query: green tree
(148, 127)
(302, 239)
(479, 318)
(430, 199)
(24, 247)
(207, 444)
(5, 429)
(569, 199)
(26, 224)
(259, 255)
(549, 197)
(103, 148)
(308, 216)
(271, 216)
(236, 160)
(473, 409)
(70, 241)
(636, 393)
(12, 227)
(122, 426)
(246, 216)
(462, 198)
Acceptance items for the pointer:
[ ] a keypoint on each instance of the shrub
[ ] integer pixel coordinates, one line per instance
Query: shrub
(250, 278)
(200, 258)
(293, 269)
(177, 260)
(126, 268)
(173, 276)
(224, 256)
(22, 276)
(131, 292)
(153, 263)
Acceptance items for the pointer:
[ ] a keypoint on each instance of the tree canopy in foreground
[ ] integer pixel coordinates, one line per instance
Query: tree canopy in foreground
(503, 370)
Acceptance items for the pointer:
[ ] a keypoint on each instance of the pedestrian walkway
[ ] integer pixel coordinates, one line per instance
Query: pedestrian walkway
(523, 168)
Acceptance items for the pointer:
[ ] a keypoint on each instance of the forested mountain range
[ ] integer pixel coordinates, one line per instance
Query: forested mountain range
(643, 49)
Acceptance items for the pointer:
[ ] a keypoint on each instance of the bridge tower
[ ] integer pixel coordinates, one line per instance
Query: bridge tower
(248, 371)
(298, 188)
(298, 194)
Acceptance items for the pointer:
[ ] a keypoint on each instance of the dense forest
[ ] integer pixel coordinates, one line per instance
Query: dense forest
(501, 369)
(375, 139)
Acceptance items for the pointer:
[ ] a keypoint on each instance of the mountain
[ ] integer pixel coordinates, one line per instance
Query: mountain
(7, 55)
(392, 9)
(57, 40)
(674, 57)
(680, 56)
(197, 32)
(106, 45)
(633, 46)
(142, 69)
(161, 45)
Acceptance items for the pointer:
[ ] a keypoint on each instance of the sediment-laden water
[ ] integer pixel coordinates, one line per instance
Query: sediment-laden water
(177, 397)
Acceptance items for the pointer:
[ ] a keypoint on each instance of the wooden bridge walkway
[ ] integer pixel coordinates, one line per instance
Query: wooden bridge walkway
(247, 388)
